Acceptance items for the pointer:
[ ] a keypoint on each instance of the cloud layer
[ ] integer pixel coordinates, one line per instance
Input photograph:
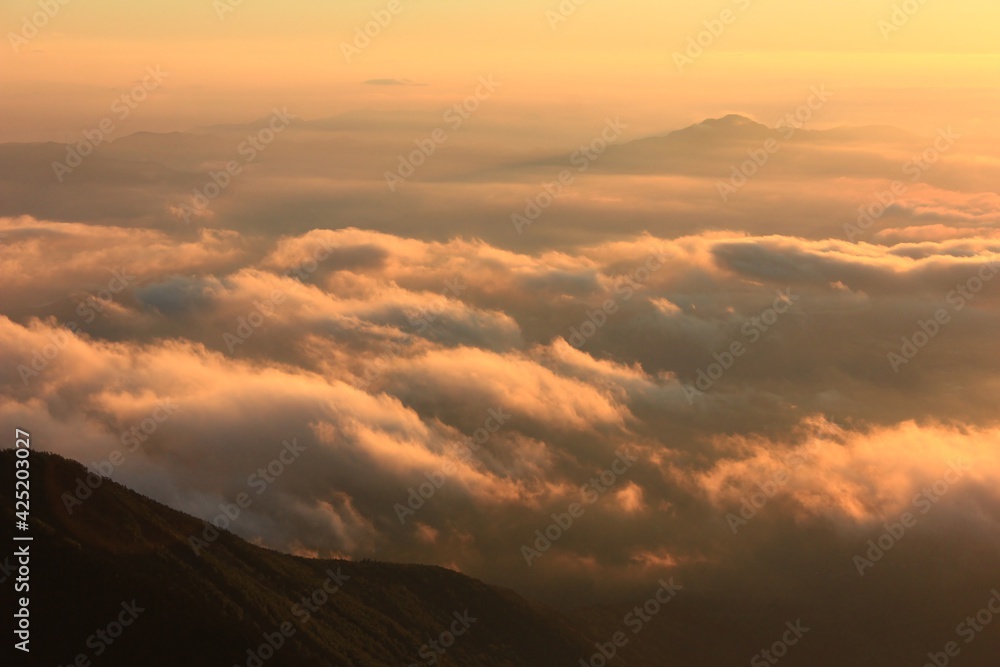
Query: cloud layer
(451, 396)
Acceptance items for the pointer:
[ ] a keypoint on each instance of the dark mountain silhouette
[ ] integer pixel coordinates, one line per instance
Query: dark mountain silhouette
(120, 552)
(122, 557)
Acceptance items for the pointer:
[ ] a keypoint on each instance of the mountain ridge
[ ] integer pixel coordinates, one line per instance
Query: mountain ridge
(119, 549)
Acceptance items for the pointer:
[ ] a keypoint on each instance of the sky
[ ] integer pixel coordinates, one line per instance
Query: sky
(493, 255)
(231, 61)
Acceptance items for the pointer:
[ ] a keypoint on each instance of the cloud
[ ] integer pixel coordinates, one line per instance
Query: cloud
(392, 82)
(385, 356)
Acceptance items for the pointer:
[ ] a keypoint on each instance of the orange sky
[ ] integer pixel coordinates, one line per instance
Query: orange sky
(229, 63)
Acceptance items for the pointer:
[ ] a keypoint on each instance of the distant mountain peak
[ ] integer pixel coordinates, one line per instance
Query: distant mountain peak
(733, 120)
(731, 126)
